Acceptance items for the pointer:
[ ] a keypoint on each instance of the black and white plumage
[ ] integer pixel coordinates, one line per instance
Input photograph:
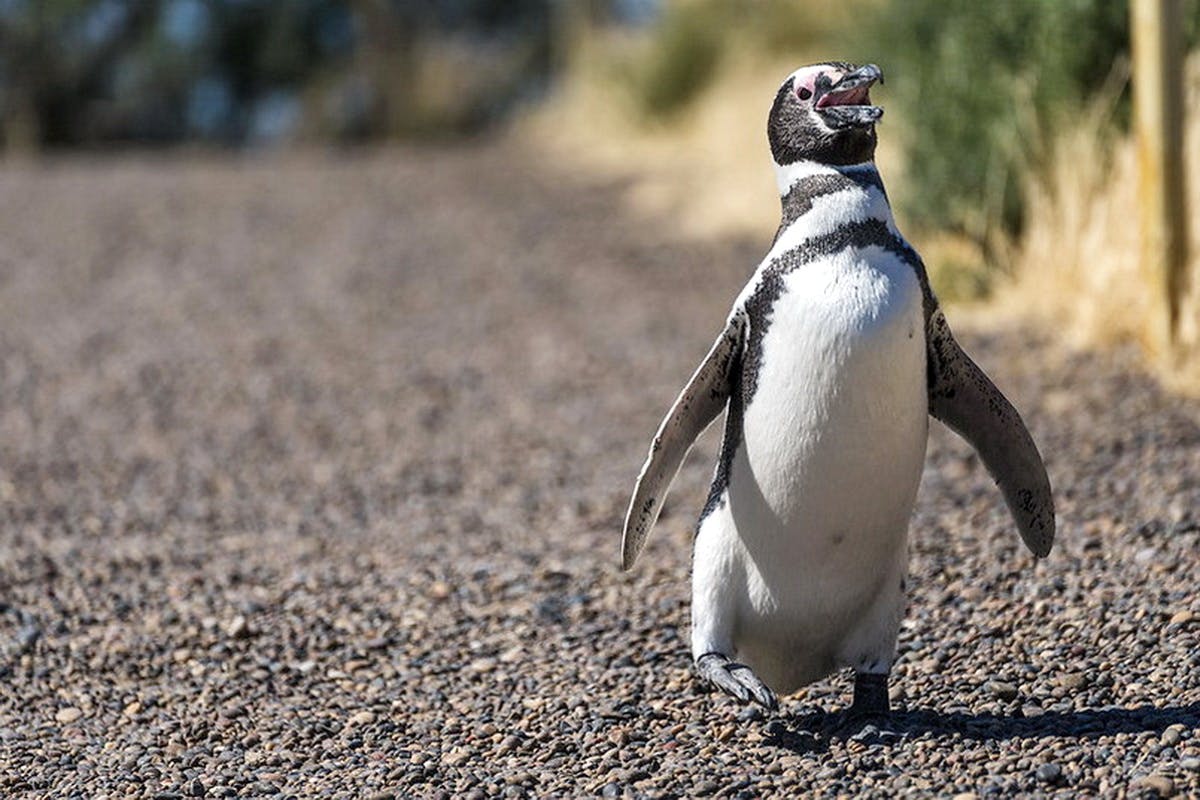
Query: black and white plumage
(833, 358)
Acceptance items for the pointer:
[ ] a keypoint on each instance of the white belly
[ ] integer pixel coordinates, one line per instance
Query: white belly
(822, 486)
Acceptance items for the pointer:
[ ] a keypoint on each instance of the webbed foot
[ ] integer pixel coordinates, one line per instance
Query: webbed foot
(736, 680)
(868, 718)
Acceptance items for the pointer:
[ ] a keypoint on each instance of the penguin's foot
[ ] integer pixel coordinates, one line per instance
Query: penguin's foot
(867, 719)
(870, 696)
(736, 680)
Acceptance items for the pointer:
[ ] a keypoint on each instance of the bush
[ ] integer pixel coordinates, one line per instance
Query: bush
(981, 85)
(680, 62)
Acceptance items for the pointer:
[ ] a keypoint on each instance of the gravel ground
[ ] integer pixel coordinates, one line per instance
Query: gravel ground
(312, 477)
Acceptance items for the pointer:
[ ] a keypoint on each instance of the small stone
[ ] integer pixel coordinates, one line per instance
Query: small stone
(1073, 680)
(749, 714)
(439, 590)
(610, 790)
(196, 788)
(238, 628)
(510, 743)
(517, 778)
(1002, 689)
(1170, 737)
(1190, 764)
(1182, 617)
(362, 718)
(27, 637)
(1161, 785)
(66, 716)
(966, 796)
(132, 709)
(1049, 773)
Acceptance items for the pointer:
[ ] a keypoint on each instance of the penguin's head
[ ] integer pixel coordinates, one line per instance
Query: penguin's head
(823, 113)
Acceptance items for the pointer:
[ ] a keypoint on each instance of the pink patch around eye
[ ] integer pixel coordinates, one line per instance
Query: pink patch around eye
(804, 85)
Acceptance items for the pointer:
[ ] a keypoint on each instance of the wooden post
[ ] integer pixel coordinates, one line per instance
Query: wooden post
(1157, 27)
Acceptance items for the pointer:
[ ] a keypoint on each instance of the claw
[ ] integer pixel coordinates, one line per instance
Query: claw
(735, 679)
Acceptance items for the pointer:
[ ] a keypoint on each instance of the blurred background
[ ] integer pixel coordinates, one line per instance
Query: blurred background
(333, 333)
(1006, 144)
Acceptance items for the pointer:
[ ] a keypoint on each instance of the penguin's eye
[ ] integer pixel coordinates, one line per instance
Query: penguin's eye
(804, 93)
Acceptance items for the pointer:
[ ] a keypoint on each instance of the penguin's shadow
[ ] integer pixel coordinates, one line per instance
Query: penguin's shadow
(817, 731)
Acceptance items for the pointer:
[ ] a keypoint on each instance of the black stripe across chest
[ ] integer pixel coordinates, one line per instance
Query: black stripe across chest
(858, 234)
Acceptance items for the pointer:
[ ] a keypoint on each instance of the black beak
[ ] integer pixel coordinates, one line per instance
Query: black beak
(866, 75)
(846, 104)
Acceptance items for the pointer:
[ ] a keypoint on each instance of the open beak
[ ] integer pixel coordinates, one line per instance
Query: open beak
(847, 103)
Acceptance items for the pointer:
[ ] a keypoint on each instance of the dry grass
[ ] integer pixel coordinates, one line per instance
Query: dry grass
(704, 175)
(707, 175)
(1077, 266)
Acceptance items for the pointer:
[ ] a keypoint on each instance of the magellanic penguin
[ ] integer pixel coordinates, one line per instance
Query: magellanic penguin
(829, 365)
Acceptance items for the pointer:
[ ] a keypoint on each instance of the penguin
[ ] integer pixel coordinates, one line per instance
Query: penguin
(832, 360)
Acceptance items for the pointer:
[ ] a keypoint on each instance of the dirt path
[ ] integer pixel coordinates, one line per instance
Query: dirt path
(311, 476)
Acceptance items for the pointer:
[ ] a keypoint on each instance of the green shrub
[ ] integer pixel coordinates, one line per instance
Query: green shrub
(979, 86)
(681, 59)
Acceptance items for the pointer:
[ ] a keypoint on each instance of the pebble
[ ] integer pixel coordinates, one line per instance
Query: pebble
(1049, 773)
(27, 637)
(1002, 690)
(238, 628)
(1146, 555)
(457, 757)
(1160, 785)
(1073, 680)
(67, 715)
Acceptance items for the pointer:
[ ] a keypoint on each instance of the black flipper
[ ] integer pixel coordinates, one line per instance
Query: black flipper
(962, 397)
(697, 406)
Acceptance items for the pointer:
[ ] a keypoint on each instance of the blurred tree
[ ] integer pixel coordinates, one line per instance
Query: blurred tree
(56, 53)
(76, 72)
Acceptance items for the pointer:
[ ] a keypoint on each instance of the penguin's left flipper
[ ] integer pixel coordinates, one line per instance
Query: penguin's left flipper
(736, 680)
(962, 397)
(697, 406)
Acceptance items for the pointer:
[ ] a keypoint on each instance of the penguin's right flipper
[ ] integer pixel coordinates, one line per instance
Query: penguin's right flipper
(736, 680)
(964, 398)
(697, 406)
